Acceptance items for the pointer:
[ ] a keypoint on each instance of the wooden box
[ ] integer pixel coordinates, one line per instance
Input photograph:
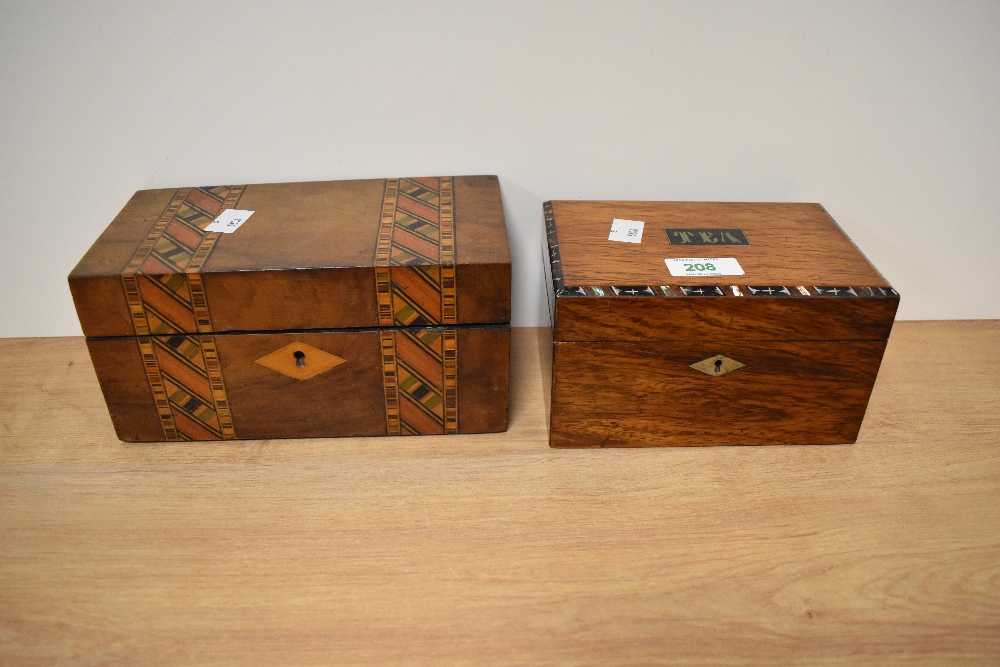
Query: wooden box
(341, 308)
(786, 353)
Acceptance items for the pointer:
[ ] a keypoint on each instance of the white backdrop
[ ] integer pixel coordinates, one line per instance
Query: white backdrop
(888, 113)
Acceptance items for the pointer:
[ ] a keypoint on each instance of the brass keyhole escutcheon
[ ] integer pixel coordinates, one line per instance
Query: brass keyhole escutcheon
(300, 358)
(717, 366)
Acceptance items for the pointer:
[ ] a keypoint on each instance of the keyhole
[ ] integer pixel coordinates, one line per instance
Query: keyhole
(300, 358)
(718, 365)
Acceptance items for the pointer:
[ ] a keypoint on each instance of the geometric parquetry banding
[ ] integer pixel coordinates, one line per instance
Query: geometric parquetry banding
(416, 287)
(170, 316)
(415, 253)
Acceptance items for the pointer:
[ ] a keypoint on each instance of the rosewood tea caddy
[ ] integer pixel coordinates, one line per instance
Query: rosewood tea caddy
(728, 323)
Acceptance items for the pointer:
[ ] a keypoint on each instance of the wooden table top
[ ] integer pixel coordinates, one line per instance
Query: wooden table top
(497, 549)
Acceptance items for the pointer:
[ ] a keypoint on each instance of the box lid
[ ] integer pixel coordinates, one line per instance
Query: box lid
(320, 255)
(802, 277)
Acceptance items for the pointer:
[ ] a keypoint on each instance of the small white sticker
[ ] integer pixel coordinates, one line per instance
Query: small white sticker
(229, 221)
(704, 266)
(626, 231)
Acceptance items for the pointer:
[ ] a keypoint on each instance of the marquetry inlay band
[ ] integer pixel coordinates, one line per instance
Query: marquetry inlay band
(170, 315)
(416, 286)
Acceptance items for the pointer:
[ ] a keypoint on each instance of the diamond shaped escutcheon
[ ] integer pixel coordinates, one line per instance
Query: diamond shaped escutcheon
(300, 361)
(717, 365)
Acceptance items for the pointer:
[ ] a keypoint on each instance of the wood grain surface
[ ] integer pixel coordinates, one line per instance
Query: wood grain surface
(496, 549)
(304, 260)
(790, 244)
(347, 400)
(614, 394)
(722, 318)
(794, 249)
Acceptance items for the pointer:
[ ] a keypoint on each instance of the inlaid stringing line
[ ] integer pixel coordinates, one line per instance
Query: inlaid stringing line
(449, 303)
(553, 244)
(450, 367)
(155, 379)
(383, 248)
(211, 356)
(390, 381)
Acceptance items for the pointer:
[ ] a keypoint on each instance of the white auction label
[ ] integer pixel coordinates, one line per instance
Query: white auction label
(704, 266)
(626, 231)
(229, 221)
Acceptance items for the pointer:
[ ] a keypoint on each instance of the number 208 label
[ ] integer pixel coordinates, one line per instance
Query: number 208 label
(704, 266)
